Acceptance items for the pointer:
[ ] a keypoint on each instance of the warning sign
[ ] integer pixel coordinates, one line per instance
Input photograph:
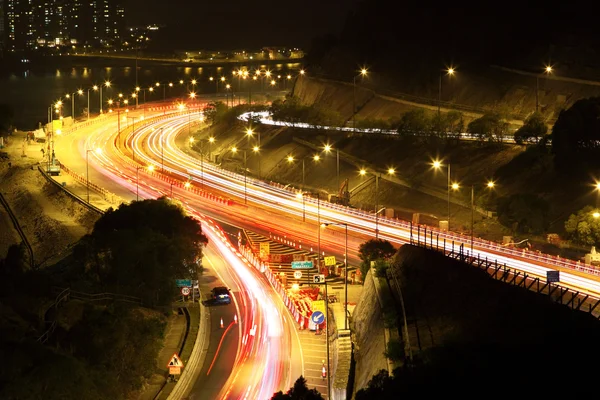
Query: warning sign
(174, 370)
(175, 362)
(318, 305)
(330, 260)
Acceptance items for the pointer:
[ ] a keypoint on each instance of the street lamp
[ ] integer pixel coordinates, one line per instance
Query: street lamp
(548, 70)
(327, 149)
(228, 87)
(234, 150)
(107, 84)
(450, 72)
(363, 73)
(391, 172)
(211, 140)
(437, 164)
(72, 97)
(87, 170)
(345, 225)
(315, 158)
(250, 133)
(489, 185)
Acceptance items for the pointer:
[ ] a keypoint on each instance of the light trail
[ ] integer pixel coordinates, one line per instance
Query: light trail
(274, 198)
(265, 350)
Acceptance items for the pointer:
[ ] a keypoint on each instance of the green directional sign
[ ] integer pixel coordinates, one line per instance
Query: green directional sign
(183, 282)
(302, 264)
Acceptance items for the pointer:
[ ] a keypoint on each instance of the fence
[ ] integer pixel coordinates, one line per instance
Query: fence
(69, 193)
(571, 298)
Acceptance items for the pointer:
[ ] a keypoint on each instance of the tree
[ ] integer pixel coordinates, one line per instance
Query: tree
(576, 137)
(524, 212)
(141, 248)
(489, 127)
(415, 122)
(454, 122)
(583, 227)
(377, 388)
(532, 130)
(374, 250)
(215, 111)
(118, 339)
(299, 391)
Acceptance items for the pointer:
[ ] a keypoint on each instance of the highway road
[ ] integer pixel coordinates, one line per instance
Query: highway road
(268, 353)
(276, 202)
(262, 351)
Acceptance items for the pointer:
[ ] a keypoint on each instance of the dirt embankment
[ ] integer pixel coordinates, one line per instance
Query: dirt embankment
(509, 92)
(456, 309)
(51, 220)
(369, 339)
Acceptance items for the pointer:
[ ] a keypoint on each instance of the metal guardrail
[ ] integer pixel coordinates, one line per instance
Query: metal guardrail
(61, 297)
(571, 298)
(69, 193)
(19, 230)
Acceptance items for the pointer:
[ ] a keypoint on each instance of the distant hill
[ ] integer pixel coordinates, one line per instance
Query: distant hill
(406, 45)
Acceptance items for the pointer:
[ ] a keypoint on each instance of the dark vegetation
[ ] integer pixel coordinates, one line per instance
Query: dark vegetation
(477, 333)
(98, 350)
(6, 118)
(298, 392)
(375, 250)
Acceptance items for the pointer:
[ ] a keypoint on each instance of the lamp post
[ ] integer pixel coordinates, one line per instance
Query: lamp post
(133, 135)
(107, 84)
(547, 71)
(345, 225)
(72, 97)
(298, 196)
(327, 150)
(490, 185)
(228, 87)
(391, 172)
(234, 150)
(363, 72)
(449, 72)
(437, 164)
(211, 140)
(315, 158)
(249, 133)
(164, 85)
(87, 171)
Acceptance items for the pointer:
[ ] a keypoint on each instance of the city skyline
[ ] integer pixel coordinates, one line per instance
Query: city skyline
(36, 24)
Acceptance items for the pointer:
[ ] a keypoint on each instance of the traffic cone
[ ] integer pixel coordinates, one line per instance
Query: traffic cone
(221, 322)
(235, 318)
(324, 372)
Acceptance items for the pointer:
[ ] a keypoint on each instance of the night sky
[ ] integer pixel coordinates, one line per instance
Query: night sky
(237, 23)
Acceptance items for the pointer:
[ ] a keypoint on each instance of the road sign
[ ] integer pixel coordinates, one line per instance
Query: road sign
(330, 261)
(183, 282)
(174, 370)
(319, 278)
(185, 291)
(297, 274)
(318, 305)
(302, 264)
(175, 361)
(318, 317)
(552, 276)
